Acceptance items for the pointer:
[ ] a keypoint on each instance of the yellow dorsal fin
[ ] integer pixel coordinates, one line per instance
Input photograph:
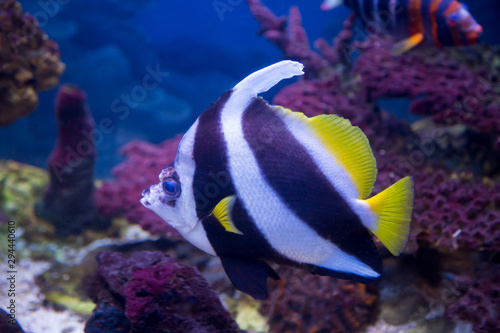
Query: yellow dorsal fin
(406, 45)
(222, 212)
(350, 147)
(347, 144)
(393, 208)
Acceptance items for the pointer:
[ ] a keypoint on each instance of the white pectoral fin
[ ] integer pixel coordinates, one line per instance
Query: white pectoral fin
(268, 77)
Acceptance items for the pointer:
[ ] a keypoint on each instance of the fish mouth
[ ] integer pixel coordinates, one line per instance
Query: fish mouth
(476, 33)
(152, 195)
(145, 197)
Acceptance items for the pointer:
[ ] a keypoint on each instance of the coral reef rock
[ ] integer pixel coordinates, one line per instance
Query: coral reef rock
(302, 302)
(480, 303)
(29, 62)
(68, 202)
(151, 292)
(19, 185)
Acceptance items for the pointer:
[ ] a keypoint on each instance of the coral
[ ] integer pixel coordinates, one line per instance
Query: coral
(456, 211)
(453, 86)
(480, 304)
(291, 37)
(68, 202)
(107, 318)
(30, 62)
(141, 169)
(9, 325)
(155, 293)
(19, 185)
(302, 302)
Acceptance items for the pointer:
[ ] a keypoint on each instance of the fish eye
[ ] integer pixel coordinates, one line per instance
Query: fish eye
(453, 19)
(171, 188)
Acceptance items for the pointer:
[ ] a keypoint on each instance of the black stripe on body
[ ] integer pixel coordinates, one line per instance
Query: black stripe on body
(402, 27)
(384, 11)
(368, 12)
(354, 5)
(253, 245)
(212, 181)
(250, 245)
(444, 33)
(291, 172)
(426, 19)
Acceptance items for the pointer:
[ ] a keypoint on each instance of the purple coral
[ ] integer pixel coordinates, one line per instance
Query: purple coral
(452, 86)
(141, 169)
(29, 62)
(301, 302)
(480, 304)
(156, 294)
(289, 35)
(68, 203)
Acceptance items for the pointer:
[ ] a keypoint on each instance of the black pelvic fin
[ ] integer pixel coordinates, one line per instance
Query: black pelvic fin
(249, 276)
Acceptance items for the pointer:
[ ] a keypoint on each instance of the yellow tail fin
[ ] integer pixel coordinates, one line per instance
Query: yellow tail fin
(393, 208)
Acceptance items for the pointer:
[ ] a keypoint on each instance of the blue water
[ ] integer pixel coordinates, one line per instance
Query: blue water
(110, 46)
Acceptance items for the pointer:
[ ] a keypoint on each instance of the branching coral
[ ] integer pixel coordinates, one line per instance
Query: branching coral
(141, 169)
(29, 62)
(156, 294)
(453, 86)
(68, 202)
(291, 37)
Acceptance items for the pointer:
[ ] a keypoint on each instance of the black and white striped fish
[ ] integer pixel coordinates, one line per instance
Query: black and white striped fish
(254, 183)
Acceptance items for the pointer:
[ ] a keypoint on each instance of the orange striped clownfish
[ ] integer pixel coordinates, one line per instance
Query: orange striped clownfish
(254, 183)
(434, 22)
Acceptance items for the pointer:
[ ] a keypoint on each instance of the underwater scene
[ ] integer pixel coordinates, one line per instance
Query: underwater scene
(250, 166)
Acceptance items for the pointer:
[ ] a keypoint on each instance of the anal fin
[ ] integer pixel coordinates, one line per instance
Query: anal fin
(407, 44)
(249, 276)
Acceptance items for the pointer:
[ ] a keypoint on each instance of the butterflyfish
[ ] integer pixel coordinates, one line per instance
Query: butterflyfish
(254, 184)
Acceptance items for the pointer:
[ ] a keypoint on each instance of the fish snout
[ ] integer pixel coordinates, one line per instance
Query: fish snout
(474, 34)
(145, 197)
(146, 192)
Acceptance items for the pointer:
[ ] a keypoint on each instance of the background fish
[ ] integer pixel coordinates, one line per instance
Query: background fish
(253, 183)
(436, 22)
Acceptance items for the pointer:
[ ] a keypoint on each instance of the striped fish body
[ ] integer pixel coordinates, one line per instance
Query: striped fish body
(254, 183)
(441, 22)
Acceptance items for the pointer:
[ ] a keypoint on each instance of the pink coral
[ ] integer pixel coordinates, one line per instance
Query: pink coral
(289, 35)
